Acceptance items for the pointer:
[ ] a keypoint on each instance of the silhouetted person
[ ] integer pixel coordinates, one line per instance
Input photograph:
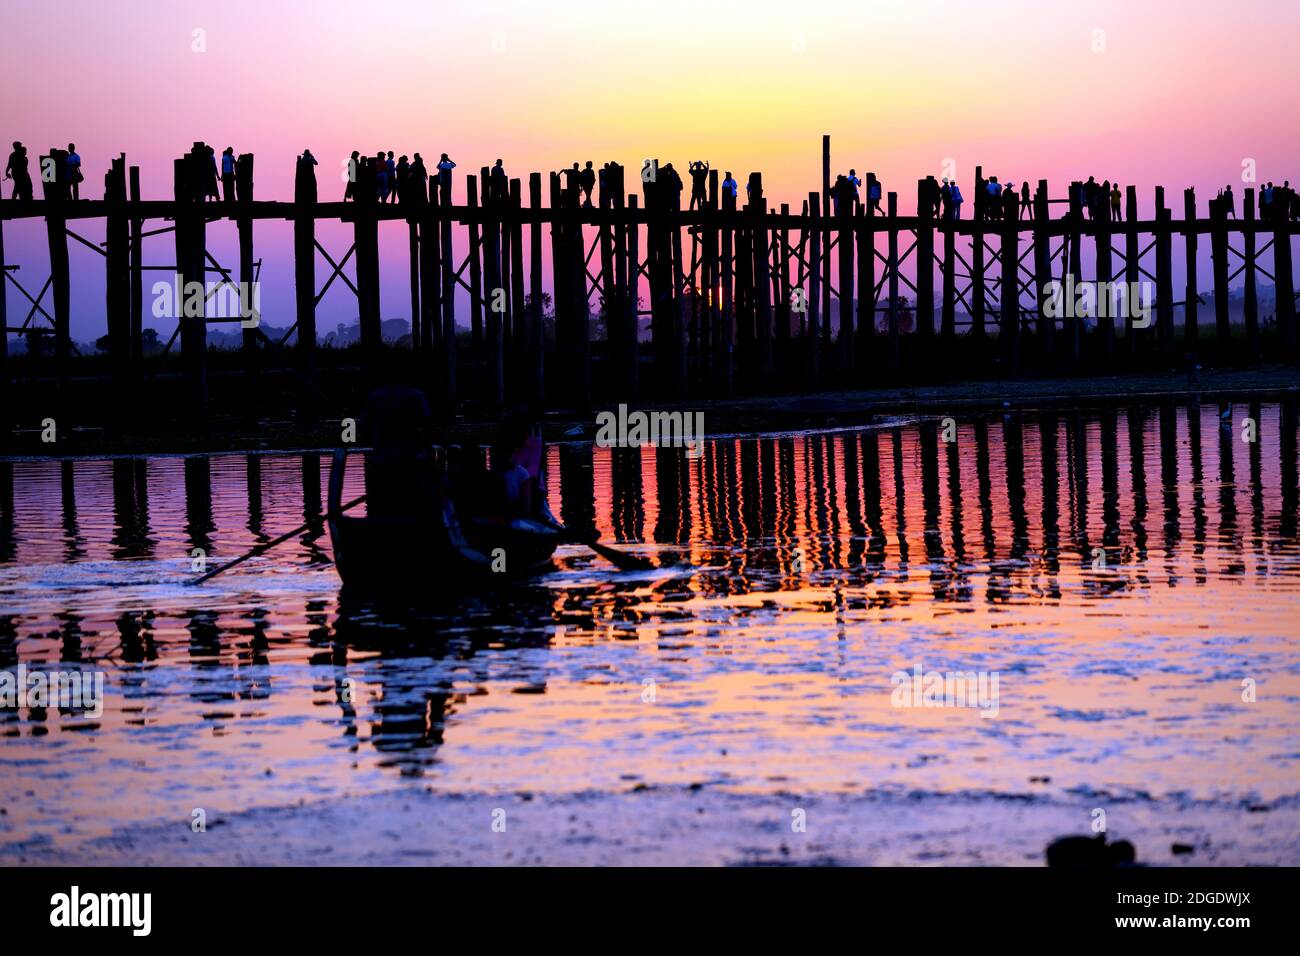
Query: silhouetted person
(305, 184)
(498, 182)
(228, 174)
(730, 191)
(587, 180)
(445, 166)
(74, 171)
(699, 171)
(213, 173)
(874, 193)
(354, 174)
(672, 187)
(403, 173)
(16, 169)
(1026, 205)
(572, 180)
(1090, 197)
(418, 177)
(992, 198)
(1010, 205)
(386, 168)
(945, 200)
(957, 200)
(1266, 202)
(1115, 199)
(1229, 203)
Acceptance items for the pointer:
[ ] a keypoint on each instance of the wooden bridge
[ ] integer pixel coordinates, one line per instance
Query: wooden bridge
(737, 303)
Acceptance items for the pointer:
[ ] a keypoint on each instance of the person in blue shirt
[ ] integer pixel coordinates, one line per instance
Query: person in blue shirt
(228, 174)
(74, 171)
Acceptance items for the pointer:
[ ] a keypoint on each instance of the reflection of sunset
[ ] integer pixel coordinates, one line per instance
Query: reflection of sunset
(799, 572)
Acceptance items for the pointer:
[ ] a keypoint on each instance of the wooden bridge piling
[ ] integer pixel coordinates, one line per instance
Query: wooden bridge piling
(894, 343)
(1009, 289)
(1105, 291)
(1283, 281)
(926, 190)
(1191, 298)
(304, 280)
(190, 230)
(1250, 294)
(117, 278)
(1043, 276)
(475, 267)
(1132, 253)
(56, 226)
(1219, 263)
(536, 376)
(812, 341)
(249, 300)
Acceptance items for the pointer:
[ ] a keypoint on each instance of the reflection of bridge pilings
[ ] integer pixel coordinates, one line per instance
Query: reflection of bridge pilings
(131, 509)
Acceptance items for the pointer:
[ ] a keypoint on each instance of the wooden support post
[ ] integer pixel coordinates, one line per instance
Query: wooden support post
(304, 277)
(632, 301)
(977, 289)
(56, 228)
(1250, 302)
(249, 302)
(763, 287)
(559, 279)
(610, 290)
(727, 322)
(813, 341)
(1165, 280)
(1219, 262)
(536, 328)
(426, 292)
(894, 343)
(1105, 298)
(365, 231)
(847, 349)
(1073, 322)
(1009, 331)
(1284, 281)
(713, 309)
(1131, 272)
(426, 298)
(783, 299)
(826, 245)
(414, 265)
(475, 269)
(117, 284)
(191, 240)
(137, 284)
(679, 321)
(866, 297)
(948, 308)
(518, 333)
(1043, 275)
(926, 189)
(1191, 319)
(581, 374)
(448, 337)
(494, 294)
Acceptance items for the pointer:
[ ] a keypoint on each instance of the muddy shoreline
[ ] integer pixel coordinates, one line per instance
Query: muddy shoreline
(691, 826)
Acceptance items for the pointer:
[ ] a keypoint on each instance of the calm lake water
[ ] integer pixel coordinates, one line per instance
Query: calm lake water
(1123, 572)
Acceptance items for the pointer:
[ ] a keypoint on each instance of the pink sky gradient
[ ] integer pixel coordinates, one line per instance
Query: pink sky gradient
(1181, 94)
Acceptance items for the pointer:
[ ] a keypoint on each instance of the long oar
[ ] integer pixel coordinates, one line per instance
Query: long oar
(620, 559)
(263, 548)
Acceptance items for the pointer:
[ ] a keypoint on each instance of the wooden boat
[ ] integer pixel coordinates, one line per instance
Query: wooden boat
(416, 555)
